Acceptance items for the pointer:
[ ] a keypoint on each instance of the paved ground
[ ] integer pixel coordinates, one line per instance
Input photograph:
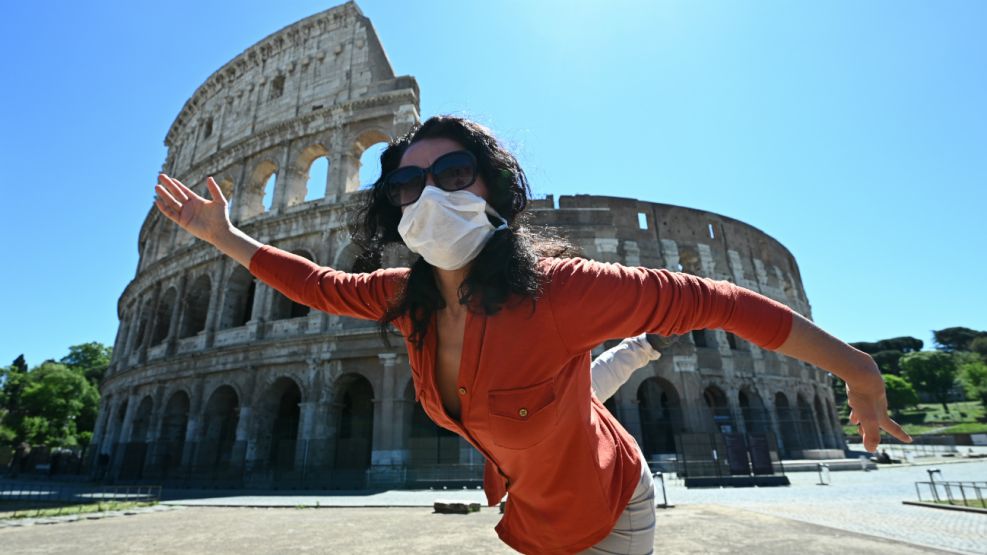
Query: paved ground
(859, 511)
(686, 529)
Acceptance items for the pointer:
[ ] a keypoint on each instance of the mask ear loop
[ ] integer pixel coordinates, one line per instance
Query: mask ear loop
(492, 212)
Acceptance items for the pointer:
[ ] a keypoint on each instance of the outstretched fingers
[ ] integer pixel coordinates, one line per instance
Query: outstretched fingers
(215, 191)
(173, 187)
(895, 430)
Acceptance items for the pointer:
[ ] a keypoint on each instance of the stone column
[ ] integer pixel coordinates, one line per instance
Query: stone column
(733, 403)
(124, 437)
(176, 314)
(387, 459)
(239, 455)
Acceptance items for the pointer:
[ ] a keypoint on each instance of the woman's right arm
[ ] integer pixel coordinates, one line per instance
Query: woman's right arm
(363, 296)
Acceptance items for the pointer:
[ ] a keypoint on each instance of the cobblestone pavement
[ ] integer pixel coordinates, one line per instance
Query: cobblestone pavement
(411, 530)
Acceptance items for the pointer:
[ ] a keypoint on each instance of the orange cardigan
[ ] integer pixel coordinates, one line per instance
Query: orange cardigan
(527, 403)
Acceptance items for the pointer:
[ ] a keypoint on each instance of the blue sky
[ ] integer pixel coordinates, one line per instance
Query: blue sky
(854, 133)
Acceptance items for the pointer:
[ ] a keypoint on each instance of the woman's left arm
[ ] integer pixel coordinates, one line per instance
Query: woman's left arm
(864, 384)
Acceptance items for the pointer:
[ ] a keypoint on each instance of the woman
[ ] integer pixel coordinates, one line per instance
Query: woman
(498, 337)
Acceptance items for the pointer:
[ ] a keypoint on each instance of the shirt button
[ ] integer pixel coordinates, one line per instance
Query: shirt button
(522, 413)
(462, 391)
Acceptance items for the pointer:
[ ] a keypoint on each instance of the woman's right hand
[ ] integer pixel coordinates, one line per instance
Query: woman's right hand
(203, 218)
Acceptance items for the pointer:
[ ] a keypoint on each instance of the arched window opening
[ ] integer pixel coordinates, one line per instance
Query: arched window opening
(162, 320)
(196, 306)
(277, 87)
(268, 200)
(238, 304)
(318, 179)
(174, 425)
(370, 164)
(716, 401)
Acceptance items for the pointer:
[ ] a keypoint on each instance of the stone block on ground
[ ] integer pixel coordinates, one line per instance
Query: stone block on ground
(455, 507)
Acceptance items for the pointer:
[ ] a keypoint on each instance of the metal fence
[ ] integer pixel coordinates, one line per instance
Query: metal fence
(921, 446)
(16, 495)
(968, 494)
(733, 454)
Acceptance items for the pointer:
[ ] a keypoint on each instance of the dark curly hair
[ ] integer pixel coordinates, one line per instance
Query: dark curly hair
(505, 270)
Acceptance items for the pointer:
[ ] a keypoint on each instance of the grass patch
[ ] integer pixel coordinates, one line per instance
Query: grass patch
(929, 413)
(76, 509)
(959, 502)
(967, 428)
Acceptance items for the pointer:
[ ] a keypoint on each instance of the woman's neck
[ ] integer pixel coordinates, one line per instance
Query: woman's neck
(449, 282)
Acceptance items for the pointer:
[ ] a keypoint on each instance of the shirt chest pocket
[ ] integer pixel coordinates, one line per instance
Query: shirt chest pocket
(523, 417)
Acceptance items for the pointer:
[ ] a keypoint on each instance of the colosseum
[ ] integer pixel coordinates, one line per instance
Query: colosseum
(219, 379)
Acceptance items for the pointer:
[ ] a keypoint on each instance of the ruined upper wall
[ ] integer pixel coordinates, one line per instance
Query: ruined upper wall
(325, 60)
(656, 235)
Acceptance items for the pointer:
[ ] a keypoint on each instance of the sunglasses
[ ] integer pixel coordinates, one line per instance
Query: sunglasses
(450, 172)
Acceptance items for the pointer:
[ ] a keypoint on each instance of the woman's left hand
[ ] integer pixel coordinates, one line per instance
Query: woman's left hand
(869, 410)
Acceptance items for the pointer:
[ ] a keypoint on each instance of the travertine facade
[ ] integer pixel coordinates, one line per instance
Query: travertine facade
(216, 376)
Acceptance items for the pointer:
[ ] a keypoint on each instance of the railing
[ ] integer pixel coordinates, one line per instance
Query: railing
(921, 446)
(15, 494)
(966, 494)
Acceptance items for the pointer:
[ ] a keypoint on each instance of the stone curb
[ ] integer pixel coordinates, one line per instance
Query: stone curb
(950, 507)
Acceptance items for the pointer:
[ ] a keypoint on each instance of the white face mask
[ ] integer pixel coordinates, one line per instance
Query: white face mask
(448, 228)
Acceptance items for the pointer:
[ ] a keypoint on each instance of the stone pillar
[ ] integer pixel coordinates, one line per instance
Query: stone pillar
(191, 447)
(124, 436)
(176, 314)
(154, 429)
(733, 403)
(239, 455)
(217, 299)
(387, 459)
(295, 182)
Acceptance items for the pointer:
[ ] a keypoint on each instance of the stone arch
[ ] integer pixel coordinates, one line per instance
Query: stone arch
(220, 418)
(238, 302)
(786, 421)
(142, 420)
(251, 198)
(719, 409)
(162, 316)
(427, 443)
(144, 323)
(135, 446)
(756, 417)
(351, 258)
(121, 415)
(353, 413)
(365, 139)
(304, 186)
(174, 427)
(277, 419)
(660, 408)
(196, 307)
(282, 307)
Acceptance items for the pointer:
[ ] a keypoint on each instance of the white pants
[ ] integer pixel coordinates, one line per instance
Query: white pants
(634, 532)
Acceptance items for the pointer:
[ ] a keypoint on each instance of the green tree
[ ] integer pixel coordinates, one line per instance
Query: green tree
(53, 400)
(956, 339)
(888, 361)
(92, 359)
(15, 378)
(931, 372)
(888, 352)
(973, 375)
(979, 346)
(901, 394)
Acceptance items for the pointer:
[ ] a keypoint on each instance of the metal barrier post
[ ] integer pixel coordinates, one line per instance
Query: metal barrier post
(664, 496)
